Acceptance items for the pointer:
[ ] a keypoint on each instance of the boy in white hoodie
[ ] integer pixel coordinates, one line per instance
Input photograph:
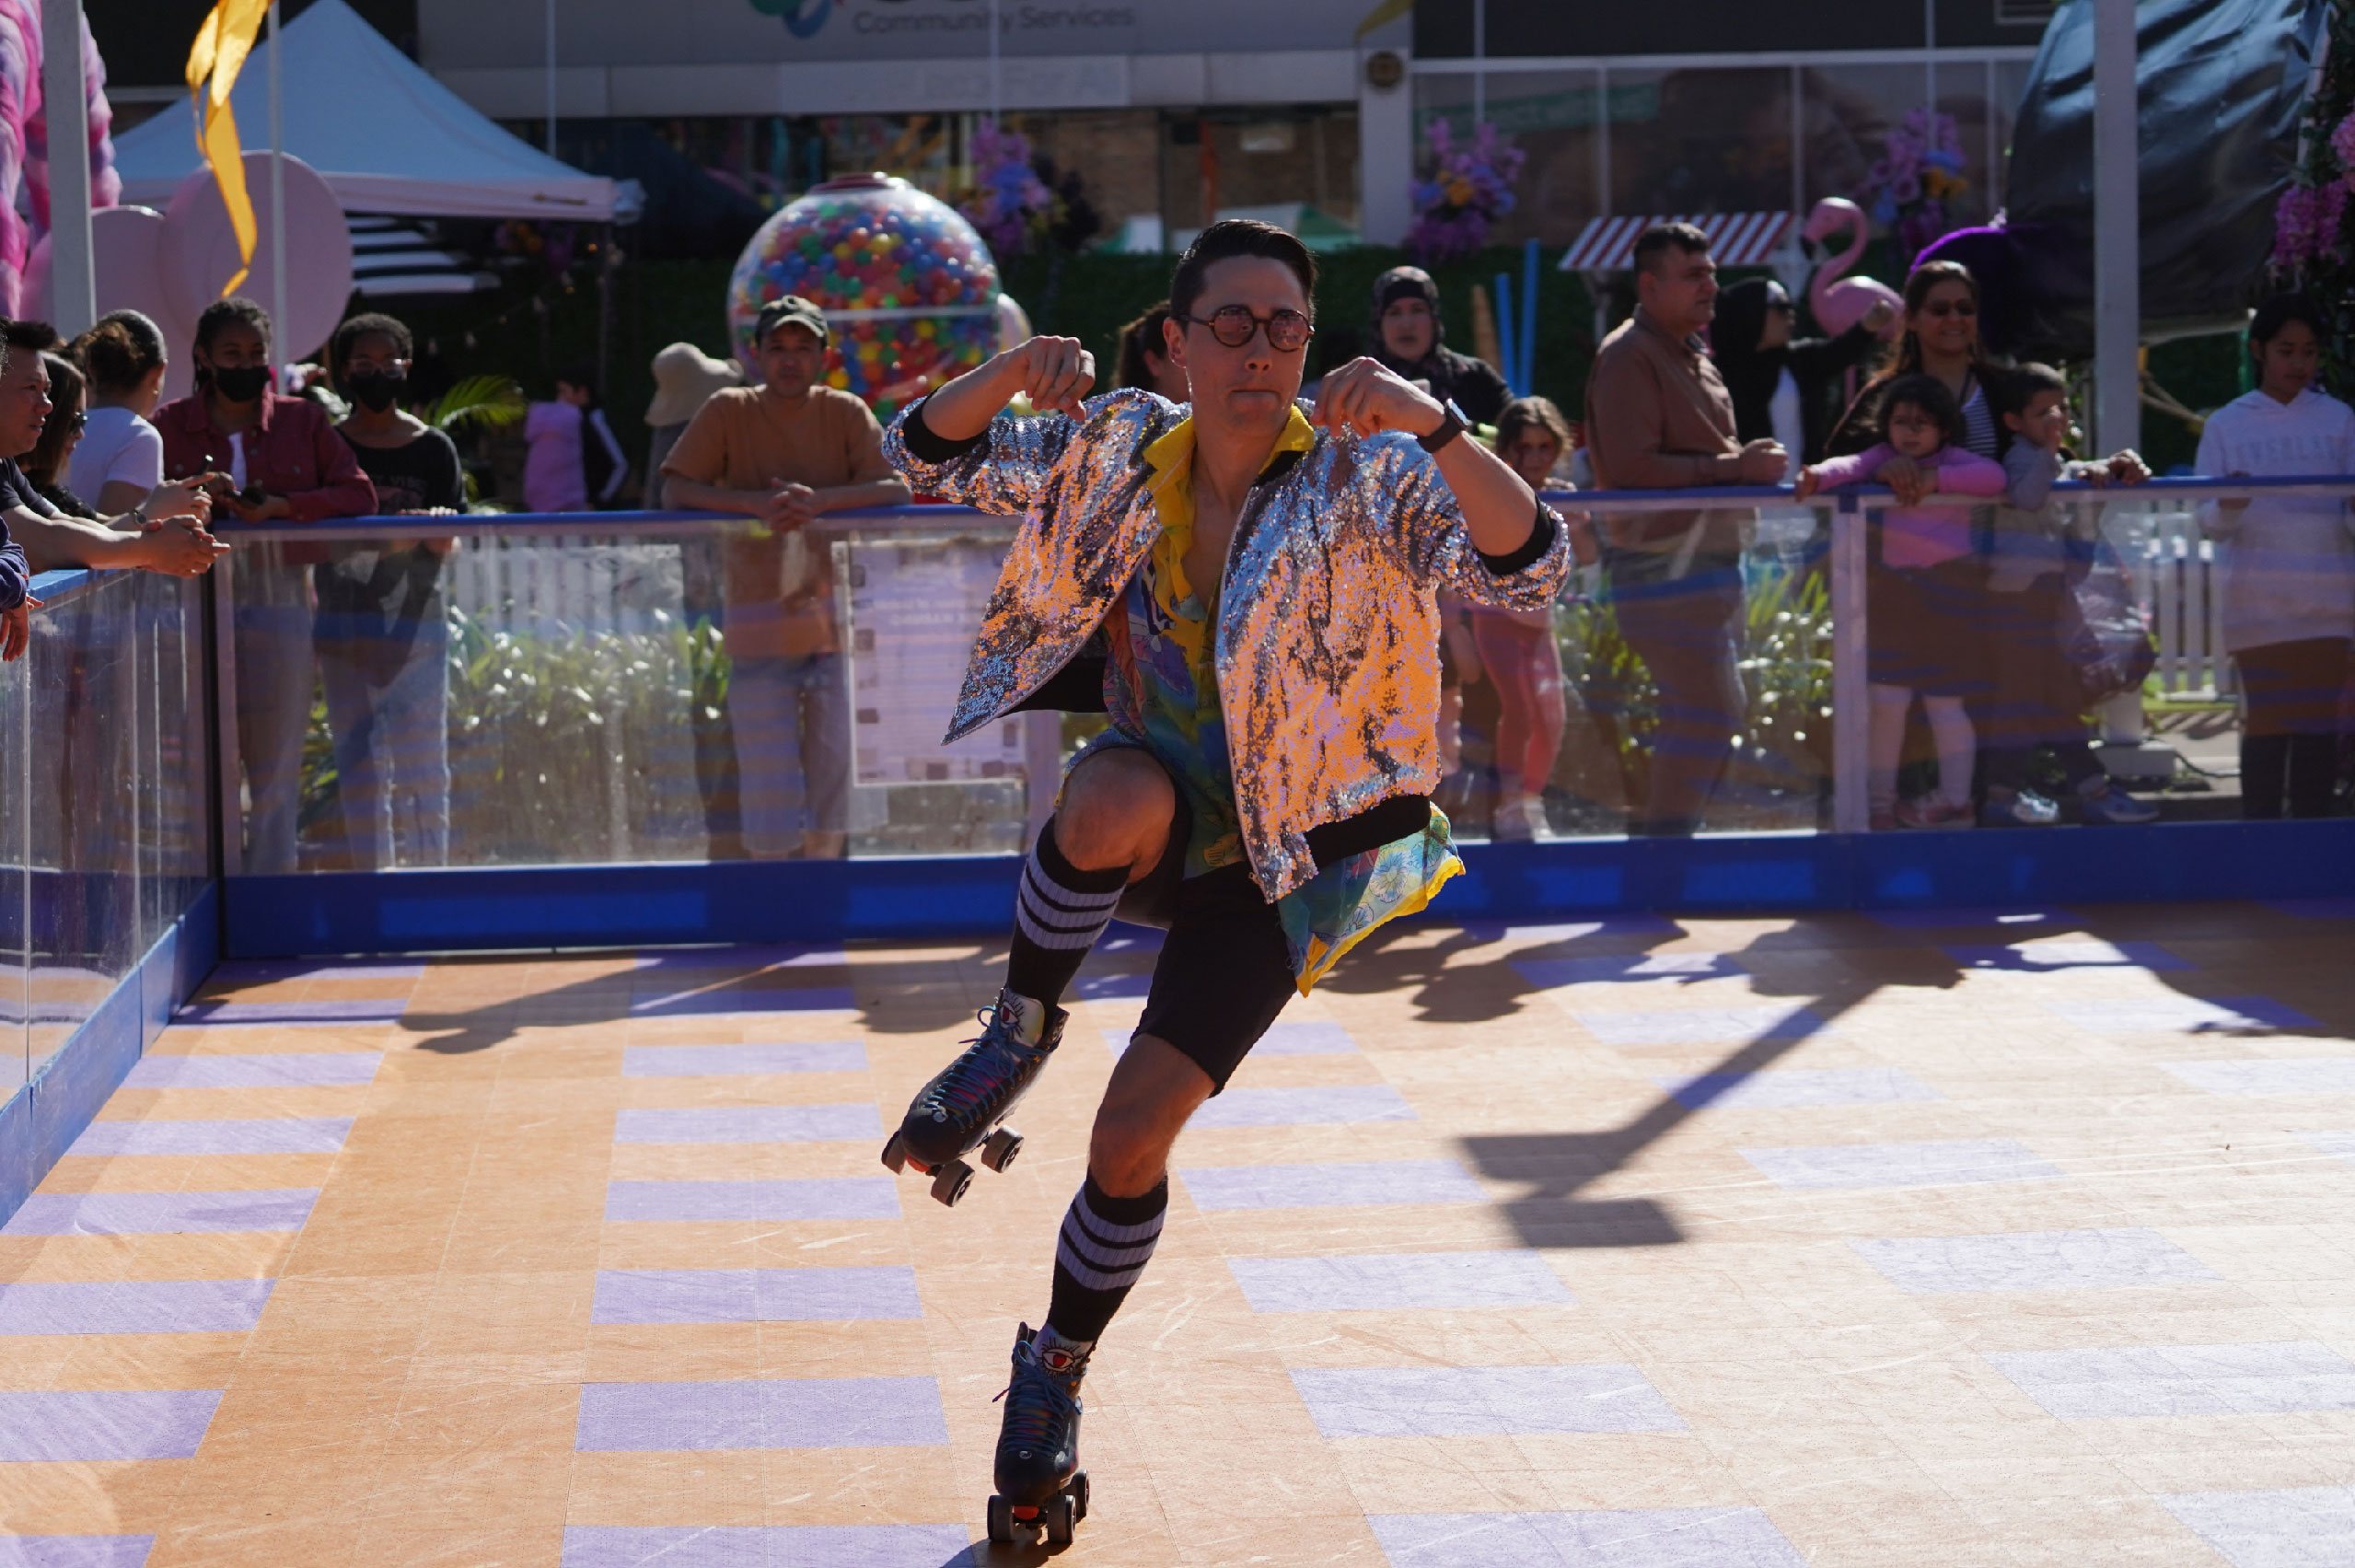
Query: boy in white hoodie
(2289, 563)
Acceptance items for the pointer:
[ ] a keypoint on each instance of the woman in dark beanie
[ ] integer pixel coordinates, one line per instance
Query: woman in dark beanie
(1783, 388)
(1407, 340)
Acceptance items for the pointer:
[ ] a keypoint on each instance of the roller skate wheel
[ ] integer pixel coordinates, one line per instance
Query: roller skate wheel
(895, 1154)
(1060, 1519)
(1000, 1148)
(950, 1181)
(1079, 1496)
(1001, 1521)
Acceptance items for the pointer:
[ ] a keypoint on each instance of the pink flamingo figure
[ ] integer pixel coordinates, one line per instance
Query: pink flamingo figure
(1841, 302)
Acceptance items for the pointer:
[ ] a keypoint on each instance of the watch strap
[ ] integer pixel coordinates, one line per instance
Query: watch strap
(1449, 428)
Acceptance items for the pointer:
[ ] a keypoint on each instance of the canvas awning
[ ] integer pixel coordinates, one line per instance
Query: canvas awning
(387, 136)
(1736, 239)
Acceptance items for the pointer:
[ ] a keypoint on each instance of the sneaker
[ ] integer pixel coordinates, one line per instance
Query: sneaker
(1509, 823)
(2025, 810)
(1932, 812)
(2111, 804)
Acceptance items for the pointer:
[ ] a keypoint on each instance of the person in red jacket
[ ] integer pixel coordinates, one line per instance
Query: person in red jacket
(272, 460)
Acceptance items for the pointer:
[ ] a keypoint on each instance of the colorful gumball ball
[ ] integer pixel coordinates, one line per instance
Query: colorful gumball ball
(909, 290)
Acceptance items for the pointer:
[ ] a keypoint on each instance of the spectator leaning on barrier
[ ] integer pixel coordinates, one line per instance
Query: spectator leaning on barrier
(1410, 341)
(165, 533)
(44, 465)
(382, 632)
(121, 458)
(1784, 386)
(783, 453)
(685, 378)
(2033, 544)
(1658, 417)
(266, 458)
(2288, 563)
(1923, 597)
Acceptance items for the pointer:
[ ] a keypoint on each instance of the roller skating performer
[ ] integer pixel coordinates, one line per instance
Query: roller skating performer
(1246, 588)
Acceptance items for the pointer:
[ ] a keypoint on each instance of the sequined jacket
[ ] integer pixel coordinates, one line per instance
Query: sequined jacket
(1327, 636)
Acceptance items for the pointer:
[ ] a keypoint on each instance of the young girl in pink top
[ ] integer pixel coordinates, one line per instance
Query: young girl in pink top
(1923, 629)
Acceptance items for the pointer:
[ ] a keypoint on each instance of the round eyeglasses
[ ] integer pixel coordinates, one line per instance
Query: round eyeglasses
(1288, 331)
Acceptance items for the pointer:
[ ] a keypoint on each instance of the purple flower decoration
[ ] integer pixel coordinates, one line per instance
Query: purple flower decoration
(2342, 143)
(2296, 219)
(1906, 191)
(1470, 190)
(1008, 199)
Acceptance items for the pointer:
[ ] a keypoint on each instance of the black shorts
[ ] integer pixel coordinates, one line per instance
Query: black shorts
(1224, 971)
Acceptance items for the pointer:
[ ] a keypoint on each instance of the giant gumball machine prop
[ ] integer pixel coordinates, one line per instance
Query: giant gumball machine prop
(910, 291)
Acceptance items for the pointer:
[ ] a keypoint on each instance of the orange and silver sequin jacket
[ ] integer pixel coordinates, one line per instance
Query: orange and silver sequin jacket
(1327, 636)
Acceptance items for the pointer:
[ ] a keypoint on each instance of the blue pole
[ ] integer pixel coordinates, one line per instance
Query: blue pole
(1526, 356)
(1505, 343)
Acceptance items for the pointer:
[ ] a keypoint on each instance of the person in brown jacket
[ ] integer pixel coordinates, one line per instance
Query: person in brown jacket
(1658, 417)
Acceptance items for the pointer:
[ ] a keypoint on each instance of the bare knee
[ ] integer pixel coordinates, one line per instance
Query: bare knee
(1128, 1152)
(1115, 811)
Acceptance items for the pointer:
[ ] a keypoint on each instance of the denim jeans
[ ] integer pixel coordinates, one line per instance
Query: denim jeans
(792, 720)
(392, 741)
(1684, 634)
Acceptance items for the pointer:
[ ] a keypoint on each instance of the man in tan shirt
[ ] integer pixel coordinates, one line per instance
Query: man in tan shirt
(1658, 417)
(783, 455)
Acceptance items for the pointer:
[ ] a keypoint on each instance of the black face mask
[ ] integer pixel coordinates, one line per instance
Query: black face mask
(375, 390)
(242, 383)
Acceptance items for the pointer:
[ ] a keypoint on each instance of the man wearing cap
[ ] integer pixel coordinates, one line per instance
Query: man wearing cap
(1408, 342)
(783, 454)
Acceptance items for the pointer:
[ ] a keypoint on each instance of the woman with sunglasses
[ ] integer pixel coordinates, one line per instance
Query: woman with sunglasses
(1249, 596)
(1941, 339)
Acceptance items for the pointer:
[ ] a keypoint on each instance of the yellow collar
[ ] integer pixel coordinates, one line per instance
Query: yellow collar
(1171, 457)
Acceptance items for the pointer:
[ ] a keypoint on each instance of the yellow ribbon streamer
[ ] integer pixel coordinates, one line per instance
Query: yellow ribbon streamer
(218, 54)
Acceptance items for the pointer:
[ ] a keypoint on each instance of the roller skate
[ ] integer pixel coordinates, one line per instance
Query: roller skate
(964, 1107)
(1040, 1485)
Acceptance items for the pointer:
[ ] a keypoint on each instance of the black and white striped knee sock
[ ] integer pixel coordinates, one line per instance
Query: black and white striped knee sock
(1105, 1245)
(1058, 915)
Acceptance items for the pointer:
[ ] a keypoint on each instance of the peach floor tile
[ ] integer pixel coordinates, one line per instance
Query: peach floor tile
(1770, 1306)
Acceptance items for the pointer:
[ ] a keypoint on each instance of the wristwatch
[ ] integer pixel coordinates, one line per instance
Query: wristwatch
(1449, 428)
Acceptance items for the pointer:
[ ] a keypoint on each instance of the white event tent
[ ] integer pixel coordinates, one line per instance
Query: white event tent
(387, 136)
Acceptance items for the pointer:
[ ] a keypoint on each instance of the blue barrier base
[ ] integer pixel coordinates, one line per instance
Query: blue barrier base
(652, 905)
(42, 1120)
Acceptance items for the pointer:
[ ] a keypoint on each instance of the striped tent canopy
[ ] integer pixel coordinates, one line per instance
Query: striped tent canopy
(393, 256)
(1736, 239)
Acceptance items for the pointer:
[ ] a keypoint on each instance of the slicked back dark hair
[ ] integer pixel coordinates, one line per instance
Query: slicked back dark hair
(370, 323)
(1661, 239)
(1231, 238)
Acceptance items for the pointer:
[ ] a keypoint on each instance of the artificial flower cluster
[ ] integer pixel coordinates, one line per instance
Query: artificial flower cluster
(2309, 222)
(1009, 203)
(1471, 190)
(1907, 190)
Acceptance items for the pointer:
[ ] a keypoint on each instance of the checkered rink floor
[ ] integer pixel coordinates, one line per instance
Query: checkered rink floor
(1990, 1236)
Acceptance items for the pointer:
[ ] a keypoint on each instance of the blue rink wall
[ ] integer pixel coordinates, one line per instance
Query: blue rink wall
(593, 906)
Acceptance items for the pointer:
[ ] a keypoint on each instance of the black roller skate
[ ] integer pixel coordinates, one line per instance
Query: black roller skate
(1040, 1485)
(962, 1108)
